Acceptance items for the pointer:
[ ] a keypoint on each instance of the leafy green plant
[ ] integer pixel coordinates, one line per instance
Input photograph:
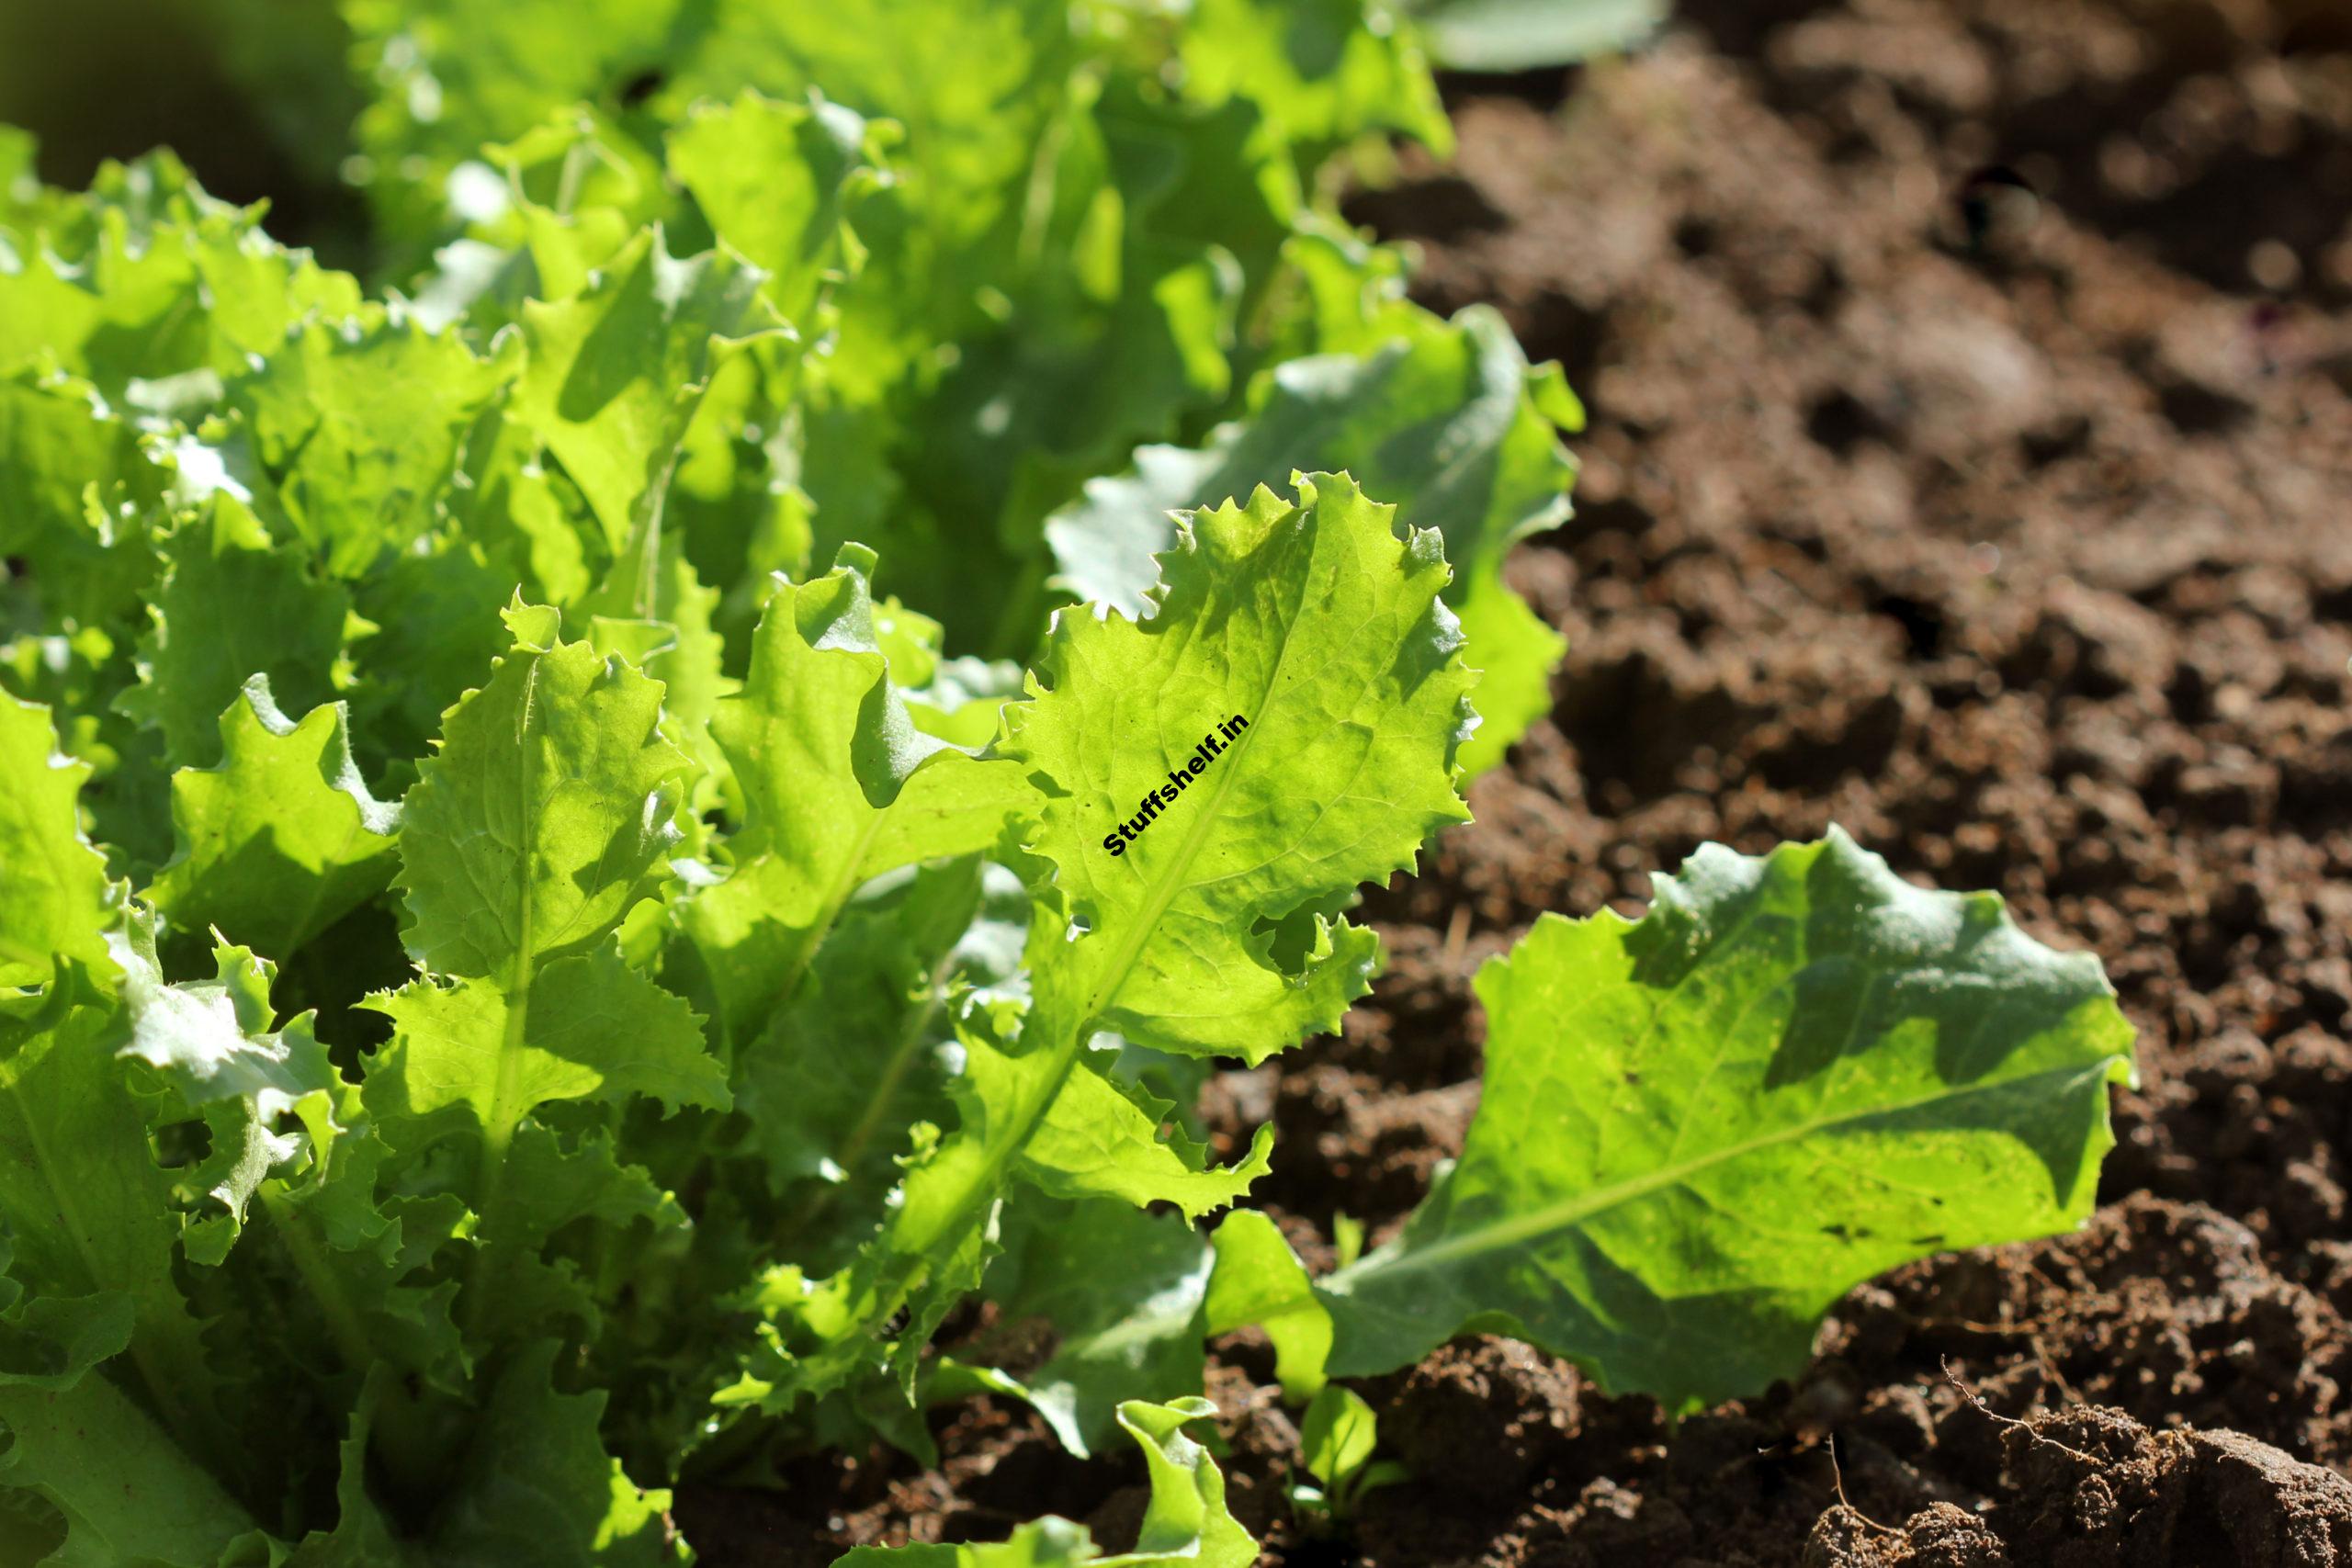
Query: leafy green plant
(1336, 1443)
(521, 983)
(504, 1178)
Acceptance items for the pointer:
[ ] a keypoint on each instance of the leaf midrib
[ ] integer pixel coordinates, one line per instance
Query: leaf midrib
(837, 895)
(1568, 1212)
(869, 1123)
(498, 1129)
(1025, 1122)
(1155, 907)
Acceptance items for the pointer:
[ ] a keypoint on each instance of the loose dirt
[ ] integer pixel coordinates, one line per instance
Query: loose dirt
(1970, 465)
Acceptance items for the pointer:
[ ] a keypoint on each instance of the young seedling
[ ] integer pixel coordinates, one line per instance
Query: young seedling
(1336, 1445)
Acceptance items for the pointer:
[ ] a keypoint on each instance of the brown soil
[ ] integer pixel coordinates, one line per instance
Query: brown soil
(2007, 530)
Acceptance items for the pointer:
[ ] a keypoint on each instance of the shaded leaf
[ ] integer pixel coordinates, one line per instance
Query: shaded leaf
(280, 839)
(232, 605)
(1127, 1332)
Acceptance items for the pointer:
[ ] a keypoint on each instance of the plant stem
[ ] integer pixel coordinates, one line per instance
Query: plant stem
(292, 1227)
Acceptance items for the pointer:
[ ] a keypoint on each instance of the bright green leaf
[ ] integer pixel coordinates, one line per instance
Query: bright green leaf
(1337, 1436)
(360, 424)
(1324, 626)
(545, 815)
(1320, 630)
(54, 893)
(593, 1029)
(776, 180)
(1259, 1279)
(838, 785)
(614, 374)
(1699, 1130)
(1100, 1139)
(1324, 71)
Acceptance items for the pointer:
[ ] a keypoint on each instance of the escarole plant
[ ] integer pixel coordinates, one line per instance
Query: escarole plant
(684, 1142)
(505, 1190)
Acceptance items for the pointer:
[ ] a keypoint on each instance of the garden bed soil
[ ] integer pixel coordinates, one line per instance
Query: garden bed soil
(1970, 466)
